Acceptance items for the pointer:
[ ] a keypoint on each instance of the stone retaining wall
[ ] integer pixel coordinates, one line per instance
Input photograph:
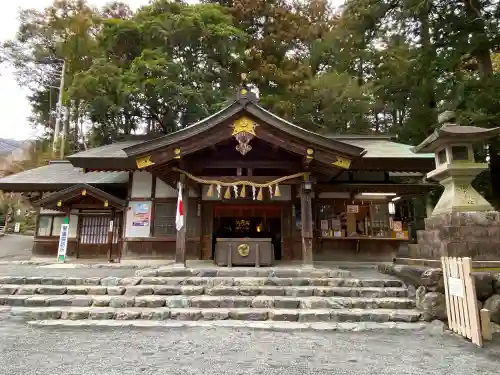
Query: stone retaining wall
(428, 286)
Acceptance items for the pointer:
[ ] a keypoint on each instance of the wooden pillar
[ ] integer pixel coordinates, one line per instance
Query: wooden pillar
(110, 235)
(307, 226)
(180, 243)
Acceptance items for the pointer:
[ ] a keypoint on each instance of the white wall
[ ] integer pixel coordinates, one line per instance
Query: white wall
(73, 226)
(142, 183)
(132, 228)
(166, 191)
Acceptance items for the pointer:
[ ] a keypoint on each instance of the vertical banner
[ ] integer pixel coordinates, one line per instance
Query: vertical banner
(63, 241)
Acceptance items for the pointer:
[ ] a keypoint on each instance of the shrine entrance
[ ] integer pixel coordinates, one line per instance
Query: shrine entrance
(261, 221)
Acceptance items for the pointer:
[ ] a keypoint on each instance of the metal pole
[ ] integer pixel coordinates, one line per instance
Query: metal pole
(57, 128)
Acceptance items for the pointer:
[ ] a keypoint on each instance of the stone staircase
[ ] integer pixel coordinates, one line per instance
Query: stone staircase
(215, 294)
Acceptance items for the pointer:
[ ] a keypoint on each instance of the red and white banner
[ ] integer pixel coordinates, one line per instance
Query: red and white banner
(179, 216)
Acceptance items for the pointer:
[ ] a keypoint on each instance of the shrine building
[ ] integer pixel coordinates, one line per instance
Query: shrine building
(257, 190)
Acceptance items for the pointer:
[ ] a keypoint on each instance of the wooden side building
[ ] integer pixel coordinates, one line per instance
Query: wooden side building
(246, 172)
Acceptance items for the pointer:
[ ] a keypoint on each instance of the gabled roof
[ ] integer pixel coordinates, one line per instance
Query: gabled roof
(78, 191)
(59, 175)
(244, 105)
(381, 146)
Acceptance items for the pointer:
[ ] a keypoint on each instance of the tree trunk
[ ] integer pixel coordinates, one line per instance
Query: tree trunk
(480, 40)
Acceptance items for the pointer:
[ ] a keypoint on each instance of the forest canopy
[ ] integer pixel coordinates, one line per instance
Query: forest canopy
(368, 67)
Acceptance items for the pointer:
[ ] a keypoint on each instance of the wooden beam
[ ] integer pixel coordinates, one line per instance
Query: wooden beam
(261, 164)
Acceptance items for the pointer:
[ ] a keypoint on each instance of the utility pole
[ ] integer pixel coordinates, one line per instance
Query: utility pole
(59, 112)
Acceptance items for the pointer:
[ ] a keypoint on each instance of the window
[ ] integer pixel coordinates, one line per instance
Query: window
(460, 153)
(44, 225)
(164, 224)
(95, 229)
(441, 156)
(56, 226)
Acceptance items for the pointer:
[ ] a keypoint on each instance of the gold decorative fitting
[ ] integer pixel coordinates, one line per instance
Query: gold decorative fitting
(342, 162)
(244, 125)
(106, 204)
(84, 192)
(84, 170)
(144, 162)
(244, 91)
(59, 204)
(243, 132)
(243, 250)
(310, 153)
(177, 153)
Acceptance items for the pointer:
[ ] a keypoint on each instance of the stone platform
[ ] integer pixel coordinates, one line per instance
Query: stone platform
(459, 234)
(212, 294)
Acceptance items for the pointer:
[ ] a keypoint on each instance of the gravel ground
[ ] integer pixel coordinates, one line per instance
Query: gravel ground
(206, 351)
(15, 247)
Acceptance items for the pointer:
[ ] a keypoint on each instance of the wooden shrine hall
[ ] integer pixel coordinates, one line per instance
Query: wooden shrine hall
(257, 189)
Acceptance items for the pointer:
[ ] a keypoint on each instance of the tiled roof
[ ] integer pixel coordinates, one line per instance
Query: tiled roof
(57, 175)
(381, 147)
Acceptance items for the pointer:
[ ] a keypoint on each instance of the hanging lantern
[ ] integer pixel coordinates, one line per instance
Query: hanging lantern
(59, 204)
(106, 204)
(84, 192)
(243, 192)
(259, 196)
(210, 191)
(277, 192)
(227, 194)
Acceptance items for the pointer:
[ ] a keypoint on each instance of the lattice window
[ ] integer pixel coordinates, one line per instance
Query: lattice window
(94, 230)
(164, 224)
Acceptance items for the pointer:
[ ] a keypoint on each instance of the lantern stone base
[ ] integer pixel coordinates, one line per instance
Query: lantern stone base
(459, 234)
(458, 194)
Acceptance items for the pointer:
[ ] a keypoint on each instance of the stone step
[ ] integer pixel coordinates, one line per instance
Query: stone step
(170, 271)
(179, 301)
(270, 281)
(270, 325)
(265, 290)
(197, 281)
(262, 314)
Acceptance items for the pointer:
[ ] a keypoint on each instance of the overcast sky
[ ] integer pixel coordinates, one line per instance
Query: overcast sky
(14, 107)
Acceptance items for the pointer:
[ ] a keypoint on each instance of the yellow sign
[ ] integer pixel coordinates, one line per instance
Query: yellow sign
(342, 162)
(244, 125)
(144, 162)
(177, 153)
(243, 250)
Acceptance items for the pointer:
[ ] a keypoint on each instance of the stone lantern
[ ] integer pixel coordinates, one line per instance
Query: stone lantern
(463, 223)
(456, 167)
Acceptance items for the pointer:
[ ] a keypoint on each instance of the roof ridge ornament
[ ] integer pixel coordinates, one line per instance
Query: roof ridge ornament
(245, 93)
